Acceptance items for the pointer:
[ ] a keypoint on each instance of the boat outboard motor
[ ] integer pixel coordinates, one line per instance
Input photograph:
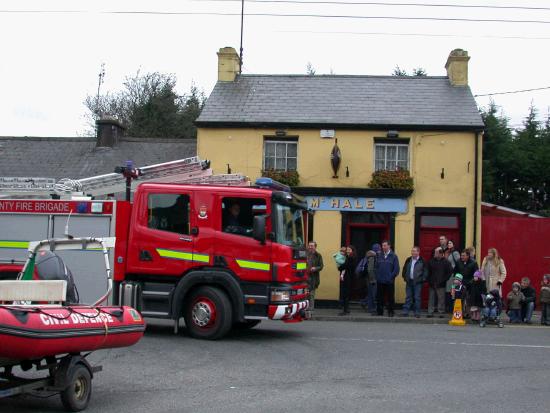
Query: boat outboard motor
(50, 266)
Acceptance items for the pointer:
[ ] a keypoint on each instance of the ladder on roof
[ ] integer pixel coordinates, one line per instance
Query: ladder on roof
(184, 171)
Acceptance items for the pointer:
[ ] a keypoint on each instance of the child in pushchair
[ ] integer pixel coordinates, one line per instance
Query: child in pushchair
(492, 307)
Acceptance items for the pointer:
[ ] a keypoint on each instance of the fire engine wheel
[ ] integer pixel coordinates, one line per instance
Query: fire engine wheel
(246, 325)
(77, 395)
(208, 314)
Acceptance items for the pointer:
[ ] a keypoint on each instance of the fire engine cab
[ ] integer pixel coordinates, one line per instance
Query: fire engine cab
(218, 256)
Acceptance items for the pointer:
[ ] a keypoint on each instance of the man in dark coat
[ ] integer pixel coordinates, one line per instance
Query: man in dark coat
(439, 271)
(528, 304)
(314, 267)
(467, 267)
(415, 273)
(387, 268)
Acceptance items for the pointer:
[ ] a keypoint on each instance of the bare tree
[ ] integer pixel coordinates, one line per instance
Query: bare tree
(149, 106)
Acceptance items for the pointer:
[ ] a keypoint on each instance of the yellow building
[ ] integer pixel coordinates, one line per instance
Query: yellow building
(429, 126)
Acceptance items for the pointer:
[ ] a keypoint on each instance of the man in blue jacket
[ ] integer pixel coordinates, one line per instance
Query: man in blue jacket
(387, 268)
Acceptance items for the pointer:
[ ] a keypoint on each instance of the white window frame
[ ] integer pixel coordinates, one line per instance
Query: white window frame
(286, 143)
(386, 145)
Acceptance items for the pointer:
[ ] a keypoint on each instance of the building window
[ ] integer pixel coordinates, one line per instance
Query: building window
(391, 156)
(439, 221)
(168, 212)
(238, 214)
(280, 155)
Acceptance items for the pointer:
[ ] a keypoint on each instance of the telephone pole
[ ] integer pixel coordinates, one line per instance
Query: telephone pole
(241, 50)
(101, 76)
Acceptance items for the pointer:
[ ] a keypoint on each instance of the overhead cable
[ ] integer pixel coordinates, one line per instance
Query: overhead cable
(512, 92)
(322, 16)
(381, 3)
(414, 34)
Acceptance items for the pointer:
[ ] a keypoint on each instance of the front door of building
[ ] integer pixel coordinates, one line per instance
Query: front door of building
(432, 226)
(362, 237)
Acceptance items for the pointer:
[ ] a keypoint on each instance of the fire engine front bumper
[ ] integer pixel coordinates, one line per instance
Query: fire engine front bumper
(286, 312)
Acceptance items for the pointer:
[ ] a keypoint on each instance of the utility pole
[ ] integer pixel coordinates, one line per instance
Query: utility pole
(99, 83)
(241, 51)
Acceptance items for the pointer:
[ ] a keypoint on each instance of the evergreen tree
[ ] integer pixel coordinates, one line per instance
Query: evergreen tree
(310, 70)
(397, 71)
(514, 162)
(496, 160)
(417, 71)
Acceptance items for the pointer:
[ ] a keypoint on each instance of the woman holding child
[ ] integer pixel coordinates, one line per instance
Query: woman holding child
(347, 270)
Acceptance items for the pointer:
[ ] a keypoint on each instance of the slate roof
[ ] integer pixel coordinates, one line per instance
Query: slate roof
(79, 158)
(341, 101)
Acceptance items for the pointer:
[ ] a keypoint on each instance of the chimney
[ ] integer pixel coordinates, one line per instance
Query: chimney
(457, 67)
(228, 64)
(109, 131)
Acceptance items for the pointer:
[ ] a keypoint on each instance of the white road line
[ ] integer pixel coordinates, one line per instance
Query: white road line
(448, 343)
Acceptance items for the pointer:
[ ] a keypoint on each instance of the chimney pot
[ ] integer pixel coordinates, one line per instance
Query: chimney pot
(109, 131)
(228, 64)
(457, 67)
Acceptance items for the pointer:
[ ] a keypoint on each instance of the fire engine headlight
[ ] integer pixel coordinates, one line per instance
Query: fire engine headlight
(280, 295)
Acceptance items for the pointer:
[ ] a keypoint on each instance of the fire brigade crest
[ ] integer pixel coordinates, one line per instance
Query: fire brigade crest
(202, 212)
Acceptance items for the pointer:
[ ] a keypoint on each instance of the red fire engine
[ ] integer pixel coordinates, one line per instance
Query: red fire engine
(218, 256)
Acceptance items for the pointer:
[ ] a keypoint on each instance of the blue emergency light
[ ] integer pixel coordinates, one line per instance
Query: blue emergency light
(269, 183)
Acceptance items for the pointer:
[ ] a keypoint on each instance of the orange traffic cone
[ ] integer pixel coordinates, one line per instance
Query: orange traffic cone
(457, 319)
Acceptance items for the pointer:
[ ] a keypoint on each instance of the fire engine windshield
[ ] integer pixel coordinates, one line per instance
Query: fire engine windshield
(289, 225)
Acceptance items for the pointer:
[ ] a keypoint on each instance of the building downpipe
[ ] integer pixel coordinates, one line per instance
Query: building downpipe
(476, 184)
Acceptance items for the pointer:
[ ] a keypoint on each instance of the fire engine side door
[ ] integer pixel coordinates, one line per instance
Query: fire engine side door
(161, 241)
(235, 248)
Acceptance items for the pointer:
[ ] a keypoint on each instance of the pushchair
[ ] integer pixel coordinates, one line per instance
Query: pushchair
(492, 308)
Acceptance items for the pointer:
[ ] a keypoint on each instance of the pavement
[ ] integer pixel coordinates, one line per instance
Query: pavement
(322, 366)
(360, 315)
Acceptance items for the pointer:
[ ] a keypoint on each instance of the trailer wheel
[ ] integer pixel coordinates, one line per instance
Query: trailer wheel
(246, 325)
(208, 314)
(77, 395)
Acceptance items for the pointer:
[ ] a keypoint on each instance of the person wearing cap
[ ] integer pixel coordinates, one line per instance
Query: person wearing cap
(478, 290)
(458, 291)
(458, 287)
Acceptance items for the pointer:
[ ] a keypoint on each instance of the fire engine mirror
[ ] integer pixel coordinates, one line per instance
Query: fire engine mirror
(258, 229)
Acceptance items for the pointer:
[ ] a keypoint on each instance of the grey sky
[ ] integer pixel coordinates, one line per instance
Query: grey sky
(50, 61)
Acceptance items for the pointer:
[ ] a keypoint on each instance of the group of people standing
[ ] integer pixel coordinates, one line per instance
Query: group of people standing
(447, 272)
(379, 268)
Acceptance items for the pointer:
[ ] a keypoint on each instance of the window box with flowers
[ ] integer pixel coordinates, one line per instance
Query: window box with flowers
(392, 179)
(290, 178)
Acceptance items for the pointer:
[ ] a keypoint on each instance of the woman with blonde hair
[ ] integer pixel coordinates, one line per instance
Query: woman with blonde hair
(494, 270)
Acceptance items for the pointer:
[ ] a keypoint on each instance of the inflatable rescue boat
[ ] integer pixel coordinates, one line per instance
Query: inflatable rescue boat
(34, 332)
(43, 325)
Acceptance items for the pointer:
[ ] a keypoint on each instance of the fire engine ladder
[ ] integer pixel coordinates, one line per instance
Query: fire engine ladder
(189, 171)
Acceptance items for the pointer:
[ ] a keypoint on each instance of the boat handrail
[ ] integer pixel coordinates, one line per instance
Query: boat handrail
(76, 243)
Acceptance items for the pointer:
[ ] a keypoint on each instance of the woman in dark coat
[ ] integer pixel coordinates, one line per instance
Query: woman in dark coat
(346, 277)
